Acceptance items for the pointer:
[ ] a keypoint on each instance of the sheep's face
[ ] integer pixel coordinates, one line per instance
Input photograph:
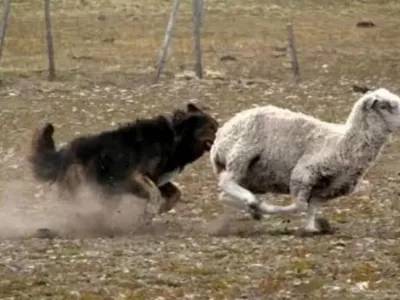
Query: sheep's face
(386, 105)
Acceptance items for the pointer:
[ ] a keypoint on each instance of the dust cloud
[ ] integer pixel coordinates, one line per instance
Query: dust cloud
(31, 210)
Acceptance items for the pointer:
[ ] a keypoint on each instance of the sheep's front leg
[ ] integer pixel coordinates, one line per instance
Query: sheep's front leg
(301, 183)
(312, 212)
(363, 187)
(300, 204)
(314, 224)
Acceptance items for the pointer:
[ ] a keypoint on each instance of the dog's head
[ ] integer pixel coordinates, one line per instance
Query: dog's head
(195, 128)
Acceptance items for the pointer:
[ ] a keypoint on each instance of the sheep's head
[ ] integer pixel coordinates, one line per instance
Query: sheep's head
(385, 105)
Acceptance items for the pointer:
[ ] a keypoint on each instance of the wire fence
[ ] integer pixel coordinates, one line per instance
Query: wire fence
(206, 39)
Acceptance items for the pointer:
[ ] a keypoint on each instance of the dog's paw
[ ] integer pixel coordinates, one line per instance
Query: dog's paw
(45, 233)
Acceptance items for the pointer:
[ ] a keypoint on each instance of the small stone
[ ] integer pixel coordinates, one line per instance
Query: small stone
(296, 282)
(362, 285)
(365, 24)
(227, 58)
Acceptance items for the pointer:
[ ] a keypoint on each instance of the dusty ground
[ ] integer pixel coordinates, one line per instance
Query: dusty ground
(105, 54)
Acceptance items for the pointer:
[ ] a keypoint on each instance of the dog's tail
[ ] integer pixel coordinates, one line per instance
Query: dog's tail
(45, 160)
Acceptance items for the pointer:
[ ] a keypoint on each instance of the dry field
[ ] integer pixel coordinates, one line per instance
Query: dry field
(105, 57)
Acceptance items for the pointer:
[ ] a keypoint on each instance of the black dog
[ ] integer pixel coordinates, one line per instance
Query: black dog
(139, 158)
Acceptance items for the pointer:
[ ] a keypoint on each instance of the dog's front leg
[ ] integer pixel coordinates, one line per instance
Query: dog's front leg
(143, 187)
(171, 194)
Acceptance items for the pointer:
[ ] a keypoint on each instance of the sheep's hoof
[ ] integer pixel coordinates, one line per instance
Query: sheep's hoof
(255, 211)
(322, 228)
(256, 216)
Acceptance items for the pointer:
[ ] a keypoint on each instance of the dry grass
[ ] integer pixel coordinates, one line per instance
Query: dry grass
(105, 54)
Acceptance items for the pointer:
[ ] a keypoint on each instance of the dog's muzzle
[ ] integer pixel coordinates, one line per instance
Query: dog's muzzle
(208, 144)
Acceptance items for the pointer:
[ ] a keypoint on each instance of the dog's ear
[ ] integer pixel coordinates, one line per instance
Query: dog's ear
(178, 116)
(191, 107)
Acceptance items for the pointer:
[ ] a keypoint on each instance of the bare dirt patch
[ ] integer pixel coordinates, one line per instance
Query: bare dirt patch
(105, 54)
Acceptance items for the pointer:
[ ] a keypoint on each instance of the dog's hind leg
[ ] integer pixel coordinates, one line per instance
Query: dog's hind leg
(110, 204)
(70, 182)
(171, 194)
(69, 185)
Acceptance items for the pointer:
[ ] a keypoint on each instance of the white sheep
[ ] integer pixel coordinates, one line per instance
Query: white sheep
(270, 149)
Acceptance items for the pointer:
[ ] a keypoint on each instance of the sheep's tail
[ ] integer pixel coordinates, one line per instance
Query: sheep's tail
(217, 164)
(45, 160)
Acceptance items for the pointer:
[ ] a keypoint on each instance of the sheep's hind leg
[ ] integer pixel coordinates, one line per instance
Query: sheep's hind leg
(239, 196)
(234, 203)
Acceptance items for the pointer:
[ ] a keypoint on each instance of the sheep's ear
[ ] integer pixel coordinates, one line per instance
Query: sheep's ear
(191, 107)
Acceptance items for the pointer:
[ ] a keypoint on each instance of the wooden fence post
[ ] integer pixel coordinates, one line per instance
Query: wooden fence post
(197, 21)
(292, 53)
(162, 55)
(4, 24)
(49, 40)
